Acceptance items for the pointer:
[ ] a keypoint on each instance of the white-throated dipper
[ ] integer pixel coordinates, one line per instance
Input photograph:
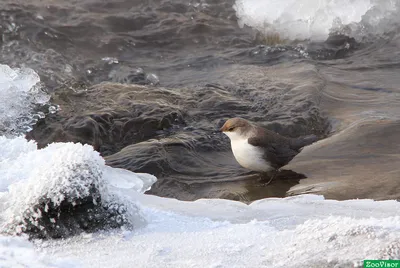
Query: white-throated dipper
(259, 149)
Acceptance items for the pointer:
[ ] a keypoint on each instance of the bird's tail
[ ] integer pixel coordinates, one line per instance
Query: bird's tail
(300, 142)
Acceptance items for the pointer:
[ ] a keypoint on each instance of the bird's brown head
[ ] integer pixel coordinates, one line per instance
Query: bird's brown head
(236, 124)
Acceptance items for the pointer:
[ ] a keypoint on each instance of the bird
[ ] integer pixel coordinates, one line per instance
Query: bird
(259, 149)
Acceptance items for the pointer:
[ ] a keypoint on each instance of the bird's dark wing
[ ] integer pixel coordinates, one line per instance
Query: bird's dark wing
(277, 151)
(299, 143)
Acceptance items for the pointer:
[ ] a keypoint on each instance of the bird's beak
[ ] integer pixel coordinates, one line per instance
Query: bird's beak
(222, 129)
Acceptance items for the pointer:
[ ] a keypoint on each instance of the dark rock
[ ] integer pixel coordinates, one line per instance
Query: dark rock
(73, 217)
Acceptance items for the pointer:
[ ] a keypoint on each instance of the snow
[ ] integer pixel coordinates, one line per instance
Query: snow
(34, 182)
(56, 173)
(60, 172)
(315, 19)
(306, 231)
(309, 232)
(16, 252)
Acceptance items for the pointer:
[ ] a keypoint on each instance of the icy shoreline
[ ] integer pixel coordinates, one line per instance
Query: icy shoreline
(161, 232)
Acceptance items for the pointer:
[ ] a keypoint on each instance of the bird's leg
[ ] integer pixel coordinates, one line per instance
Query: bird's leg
(274, 173)
(272, 177)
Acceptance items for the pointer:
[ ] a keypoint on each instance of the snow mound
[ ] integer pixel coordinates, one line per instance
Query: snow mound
(20, 93)
(62, 189)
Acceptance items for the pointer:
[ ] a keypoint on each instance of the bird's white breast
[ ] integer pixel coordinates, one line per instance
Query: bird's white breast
(247, 155)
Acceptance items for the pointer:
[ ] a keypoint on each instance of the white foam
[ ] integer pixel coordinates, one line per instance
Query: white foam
(314, 19)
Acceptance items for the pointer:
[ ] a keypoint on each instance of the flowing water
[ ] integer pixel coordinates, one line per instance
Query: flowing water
(91, 90)
(148, 83)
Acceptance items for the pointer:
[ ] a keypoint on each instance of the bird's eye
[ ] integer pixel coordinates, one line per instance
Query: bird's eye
(231, 129)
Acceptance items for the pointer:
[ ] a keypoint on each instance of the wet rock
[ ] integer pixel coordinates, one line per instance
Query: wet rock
(109, 117)
(73, 216)
(360, 159)
(358, 163)
(339, 40)
(273, 50)
(336, 46)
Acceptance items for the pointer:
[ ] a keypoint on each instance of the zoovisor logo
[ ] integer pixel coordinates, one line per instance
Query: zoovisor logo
(382, 263)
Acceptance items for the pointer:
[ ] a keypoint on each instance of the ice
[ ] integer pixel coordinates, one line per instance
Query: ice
(152, 79)
(19, 94)
(123, 179)
(315, 19)
(43, 191)
(57, 172)
(301, 231)
(306, 231)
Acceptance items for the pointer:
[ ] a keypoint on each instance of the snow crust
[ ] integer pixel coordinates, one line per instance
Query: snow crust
(33, 182)
(17, 252)
(315, 19)
(305, 231)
